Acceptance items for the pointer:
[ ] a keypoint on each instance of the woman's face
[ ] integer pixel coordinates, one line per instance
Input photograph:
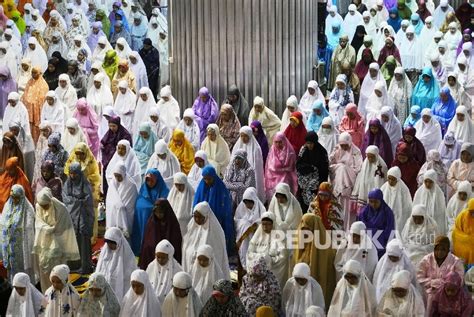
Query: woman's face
(118, 177)
(96, 292)
(113, 127)
(188, 121)
(81, 156)
(180, 187)
(418, 220)
(138, 288)
(462, 196)
(211, 134)
(460, 117)
(428, 183)
(72, 131)
(451, 81)
(161, 258)
(340, 85)
(150, 180)
(199, 219)
(121, 150)
(57, 283)
(373, 72)
(203, 261)
(245, 138)
(371, 157)
(392, 181)
(374, 129)
(426, 118)
(466, 157)
(278, 144)
(199, 162)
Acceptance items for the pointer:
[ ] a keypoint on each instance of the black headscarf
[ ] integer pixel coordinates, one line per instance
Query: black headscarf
(358, 41)
(241, 106)
(317, 158)
(52, 78)
(61, 65)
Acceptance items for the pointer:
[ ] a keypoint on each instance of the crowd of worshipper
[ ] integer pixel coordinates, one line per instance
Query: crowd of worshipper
(206, 211)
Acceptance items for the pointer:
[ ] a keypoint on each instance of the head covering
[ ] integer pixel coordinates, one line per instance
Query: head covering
(424, 93)
(107, 303)
(379, 139)
(174, 306)
(278, 162)
(262, 292)
(116, 265)
(140, 305)
(161, 276)
(157, 230)
(316, 116)
(184, 152)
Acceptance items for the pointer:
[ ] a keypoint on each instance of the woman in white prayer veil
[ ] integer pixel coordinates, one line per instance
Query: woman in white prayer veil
(144, 104)
(24, 74)
(55, 241)
(400, 92)
(456, 90)
(397, 196)
(419, 234)
(120, 200)
(377, 100)
(439, 14)
(66, 93)
(328, 135)
(57, 44)
(301, 291)
(367, 87)
(100, 96)
(122, 48)
(53, 112)
(354, 294)
(103, 45)
(263, 244)
(462, 125)
(139, 70)
(426, 36)
(36, 54)
(108, 112)
(286, 208)
(161, 270)
(410, 50)
(182, 300)
(458, 203)
(158, 125)
(15, 111)
(79, 43)
(140, 299)
(93, 303)
(401, 34)
(204, 228)
(7, 58)
(248, 143)
(352, 19)
(195, 175)
(205, 272)
(372, 175)
(402, 299)
(291, 107)
(394, 260)
(164, 161)
(181, 197)
(246, 219)
(116, 261)
(311, 94)
(391, 125)
(432, 197)
(216, 148)
(357, 246)
(191, 128)
(125, 104)
(72, 135)
(62, 298)
(428, 131)
(31, 303)
(169, 109)
(126, 155)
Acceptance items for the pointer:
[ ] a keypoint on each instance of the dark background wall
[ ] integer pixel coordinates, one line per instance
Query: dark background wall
(266, 47)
